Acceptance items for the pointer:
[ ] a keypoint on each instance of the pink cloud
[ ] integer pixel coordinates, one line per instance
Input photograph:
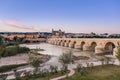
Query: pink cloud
(16, 24)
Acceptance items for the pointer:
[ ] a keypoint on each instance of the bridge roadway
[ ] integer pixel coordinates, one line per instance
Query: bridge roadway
(99, 45)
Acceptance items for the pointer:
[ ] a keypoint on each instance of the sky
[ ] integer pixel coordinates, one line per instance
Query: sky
(78, 16)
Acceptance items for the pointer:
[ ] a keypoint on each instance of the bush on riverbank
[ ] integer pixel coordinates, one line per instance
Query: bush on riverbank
(12, 50)
(44, 74)
(10, 67)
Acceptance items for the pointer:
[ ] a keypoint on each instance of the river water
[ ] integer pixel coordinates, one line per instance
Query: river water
(55, 51)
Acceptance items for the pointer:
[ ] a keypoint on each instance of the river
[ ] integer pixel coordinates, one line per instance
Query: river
(55, 51)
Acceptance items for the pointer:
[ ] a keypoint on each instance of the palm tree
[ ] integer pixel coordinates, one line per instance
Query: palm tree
(65, 59)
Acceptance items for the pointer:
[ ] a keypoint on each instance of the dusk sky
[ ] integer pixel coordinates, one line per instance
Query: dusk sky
(83, 16)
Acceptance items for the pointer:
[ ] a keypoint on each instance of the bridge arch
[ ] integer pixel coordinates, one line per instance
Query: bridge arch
(72, 44)
(109, 47)
(26, 41)
(60, 41)
(92, 46)
(67, 43)
(64, 42)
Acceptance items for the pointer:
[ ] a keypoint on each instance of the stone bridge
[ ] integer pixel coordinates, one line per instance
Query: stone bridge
(98, 45)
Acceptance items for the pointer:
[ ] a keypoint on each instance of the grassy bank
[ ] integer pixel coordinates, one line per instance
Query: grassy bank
(44, 76)
(11, 67)
(106, 72)
(12, 50)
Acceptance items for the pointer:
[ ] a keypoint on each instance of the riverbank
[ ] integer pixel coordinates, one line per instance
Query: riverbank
(20, 59)
(101, 72)
(17, 59)
(7, 68)
(56, 51)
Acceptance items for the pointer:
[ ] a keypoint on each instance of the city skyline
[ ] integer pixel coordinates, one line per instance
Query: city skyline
(83, 16)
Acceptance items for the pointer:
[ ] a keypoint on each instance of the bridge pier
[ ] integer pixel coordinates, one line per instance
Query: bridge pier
(86, 48)
(66, 44)
(77, 46)
(71, 45)
(114, 51)
(57, 43)
(62, 43)
(99, 49)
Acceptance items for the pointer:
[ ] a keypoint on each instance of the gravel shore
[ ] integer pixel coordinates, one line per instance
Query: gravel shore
(17, 59)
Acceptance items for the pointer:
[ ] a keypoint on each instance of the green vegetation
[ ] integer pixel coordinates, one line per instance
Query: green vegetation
(38, 49)
(38, 73)
(12, 50)
(65, 59)
(0, 40)
(53, 69)
(3, 76)
(35, 61)
(17, 75)
(10, 67)
(104, 72)
(46, 75)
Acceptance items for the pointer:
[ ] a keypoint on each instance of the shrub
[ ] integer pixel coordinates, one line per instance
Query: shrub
(13, 50)
(10, 67)
(3, 76)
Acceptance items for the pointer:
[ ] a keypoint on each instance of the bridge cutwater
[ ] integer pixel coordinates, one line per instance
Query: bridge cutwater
(98, 45)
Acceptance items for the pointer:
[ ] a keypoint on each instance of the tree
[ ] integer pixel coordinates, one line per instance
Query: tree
(65, 59)
(82, 70)
(53, 69)
(3, 76)
(34, 61)
(118, 53)
(16, 41)
(0, 40)
(79, 67)
(17, 75)
(15, 38)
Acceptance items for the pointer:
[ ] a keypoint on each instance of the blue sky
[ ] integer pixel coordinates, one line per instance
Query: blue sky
(70, 15)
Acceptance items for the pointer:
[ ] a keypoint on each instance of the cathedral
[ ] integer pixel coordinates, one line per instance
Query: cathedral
(58, 34)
